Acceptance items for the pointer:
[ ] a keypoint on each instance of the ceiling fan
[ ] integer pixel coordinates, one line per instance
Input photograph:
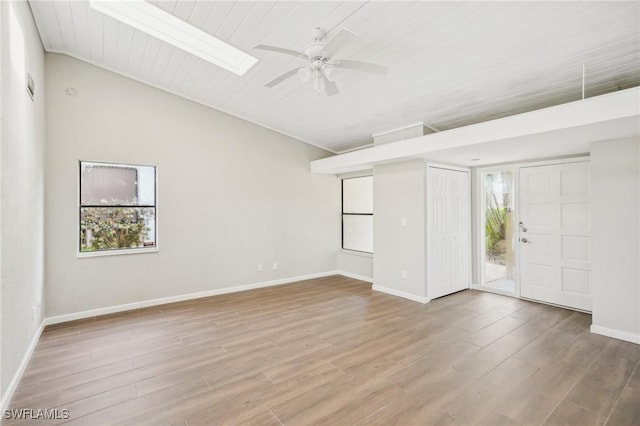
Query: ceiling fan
(321, 62)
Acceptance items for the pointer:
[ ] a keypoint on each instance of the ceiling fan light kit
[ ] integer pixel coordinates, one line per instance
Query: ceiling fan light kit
(321, 64)
(304, 74)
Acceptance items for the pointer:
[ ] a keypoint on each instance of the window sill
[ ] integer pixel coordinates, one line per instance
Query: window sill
(357, 253)
(117, 252)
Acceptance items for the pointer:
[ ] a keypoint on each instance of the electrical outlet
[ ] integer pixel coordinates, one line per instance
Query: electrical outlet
(260, 267)
(275, 266)
(404, 275)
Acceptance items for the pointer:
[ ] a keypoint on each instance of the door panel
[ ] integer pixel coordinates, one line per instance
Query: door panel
(448, 231)
(459, 230)
(555, 255)
(438, 271)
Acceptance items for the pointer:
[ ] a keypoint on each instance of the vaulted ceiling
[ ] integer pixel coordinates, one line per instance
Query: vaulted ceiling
(451, 63)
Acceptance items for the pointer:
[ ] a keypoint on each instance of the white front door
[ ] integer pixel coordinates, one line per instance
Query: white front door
(555, 249)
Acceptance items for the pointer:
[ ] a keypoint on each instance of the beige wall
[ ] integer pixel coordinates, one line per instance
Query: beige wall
(360, 265)
(21, 187)
(615, 186)
(399, 193)
(231, 194)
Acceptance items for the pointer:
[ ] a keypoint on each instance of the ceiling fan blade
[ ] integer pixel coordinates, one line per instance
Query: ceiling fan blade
(330, 87)
(338, 41)
(283, 77)
(281, 50)
(361, 66)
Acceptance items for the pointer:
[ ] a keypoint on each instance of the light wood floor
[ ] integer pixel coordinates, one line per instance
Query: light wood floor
(331, 351)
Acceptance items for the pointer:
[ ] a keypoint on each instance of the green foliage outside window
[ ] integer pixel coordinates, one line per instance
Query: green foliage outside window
(495, 230)
(106, 228)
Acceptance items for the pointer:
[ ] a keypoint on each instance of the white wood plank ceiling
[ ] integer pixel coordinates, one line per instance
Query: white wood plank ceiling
(451, 63)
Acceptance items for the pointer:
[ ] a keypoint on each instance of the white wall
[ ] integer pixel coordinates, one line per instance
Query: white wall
(399, 193)
(21, 188)
(615, 186)
(231, 194)
(356, 264)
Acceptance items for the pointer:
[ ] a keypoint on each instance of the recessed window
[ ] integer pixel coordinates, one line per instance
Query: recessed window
(117, 208)
(357, 214)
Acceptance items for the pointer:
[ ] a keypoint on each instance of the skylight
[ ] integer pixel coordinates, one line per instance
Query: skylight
(164, 26)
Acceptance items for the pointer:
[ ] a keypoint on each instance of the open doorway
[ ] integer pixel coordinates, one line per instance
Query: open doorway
(498, 259)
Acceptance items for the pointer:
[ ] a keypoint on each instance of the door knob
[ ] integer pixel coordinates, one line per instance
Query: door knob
(524, 240)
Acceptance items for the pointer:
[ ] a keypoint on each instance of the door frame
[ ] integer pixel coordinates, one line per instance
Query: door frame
(479, 215)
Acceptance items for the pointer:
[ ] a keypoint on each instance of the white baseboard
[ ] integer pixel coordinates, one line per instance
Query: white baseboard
(399, 293)
(616, 334)
(13, 385)
(182, 297)
(356, 276)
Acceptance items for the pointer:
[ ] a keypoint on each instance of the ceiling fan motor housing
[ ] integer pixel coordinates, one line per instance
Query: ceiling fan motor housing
(315, 50)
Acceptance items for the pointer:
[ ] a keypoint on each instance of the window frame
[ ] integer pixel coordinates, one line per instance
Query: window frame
(343, 214)
(123, 251)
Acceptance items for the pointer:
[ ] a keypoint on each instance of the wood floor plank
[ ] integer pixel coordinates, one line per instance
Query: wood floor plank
(489, 357)
(266, 418)
(359, 392)
(548, 345)
(584, 350)
(634, 381)
(569, 414)
(428, 342)
(603, 382)
(534, 400)
(409, 412)
(282, 392)
(153, 402)
(540, 319)
(100, 401)
(476, 402)
(627, 408)
(332, 351)
(438, 359)
(77, 379)
(481, 321)
(225, 404)
(493, 332)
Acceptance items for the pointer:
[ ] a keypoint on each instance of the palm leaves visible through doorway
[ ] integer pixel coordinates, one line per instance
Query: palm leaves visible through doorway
(497, 201)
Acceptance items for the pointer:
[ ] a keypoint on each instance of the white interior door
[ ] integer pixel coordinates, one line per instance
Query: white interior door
(555, 255)
(448, 231)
